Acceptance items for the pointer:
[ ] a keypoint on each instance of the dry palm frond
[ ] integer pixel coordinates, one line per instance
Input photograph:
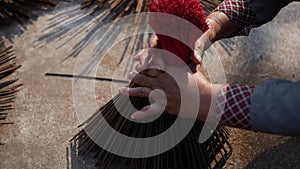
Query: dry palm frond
(8, 86)
(20, 10)
(121, 8)
(137, 5)
(97, 13)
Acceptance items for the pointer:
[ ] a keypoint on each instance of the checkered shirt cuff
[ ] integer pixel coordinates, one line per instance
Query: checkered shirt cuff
(233, 106)
(239, 12)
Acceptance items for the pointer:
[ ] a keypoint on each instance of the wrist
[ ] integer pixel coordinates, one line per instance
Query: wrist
(219, 26)
(205, 93)
(208, 93)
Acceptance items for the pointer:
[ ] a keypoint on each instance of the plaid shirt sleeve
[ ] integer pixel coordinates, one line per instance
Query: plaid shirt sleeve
(239, 12)
(233, 105)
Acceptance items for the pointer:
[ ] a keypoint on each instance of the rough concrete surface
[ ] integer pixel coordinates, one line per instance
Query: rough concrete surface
(44, 116)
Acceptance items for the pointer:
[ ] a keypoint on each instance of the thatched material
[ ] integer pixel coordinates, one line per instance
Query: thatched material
(21, 10)
(8, 85)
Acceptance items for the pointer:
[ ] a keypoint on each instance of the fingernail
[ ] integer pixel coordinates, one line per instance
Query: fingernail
(134, 116)
(198, 57)
(130, 75)
(123, 90)
(145, 109)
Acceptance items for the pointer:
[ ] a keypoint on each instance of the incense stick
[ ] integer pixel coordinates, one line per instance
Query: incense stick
(86, 77)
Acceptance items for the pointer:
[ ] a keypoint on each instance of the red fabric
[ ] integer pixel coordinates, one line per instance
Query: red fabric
(233, 105)
(190, 10)
(241, 14)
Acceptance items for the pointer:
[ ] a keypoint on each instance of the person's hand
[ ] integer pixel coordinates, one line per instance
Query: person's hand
(219, 27)
(150, 60)
(193, 88)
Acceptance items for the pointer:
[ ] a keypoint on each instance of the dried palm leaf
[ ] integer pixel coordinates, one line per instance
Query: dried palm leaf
(137, 5)
(70, 25)
(20, 10)
(8, 85)
(121, 8)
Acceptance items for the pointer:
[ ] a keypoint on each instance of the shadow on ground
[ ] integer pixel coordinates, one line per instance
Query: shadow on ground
(75, 161)
(286, 155)
(16, 16)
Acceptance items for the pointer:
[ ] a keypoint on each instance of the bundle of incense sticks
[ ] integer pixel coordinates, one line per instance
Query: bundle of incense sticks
(189, 153)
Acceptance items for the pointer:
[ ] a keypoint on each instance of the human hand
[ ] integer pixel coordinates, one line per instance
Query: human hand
(219, 26)
(175, 97)
(150, 61)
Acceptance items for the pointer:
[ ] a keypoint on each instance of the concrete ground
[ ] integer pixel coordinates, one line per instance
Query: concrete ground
(44, 116)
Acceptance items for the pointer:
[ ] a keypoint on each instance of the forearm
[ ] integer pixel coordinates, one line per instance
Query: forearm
(233, 105)
(272, 107)
(219, 26)
(275, 108)
(228, 104)
(244, 15)
(240, 16)
(230, 18)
